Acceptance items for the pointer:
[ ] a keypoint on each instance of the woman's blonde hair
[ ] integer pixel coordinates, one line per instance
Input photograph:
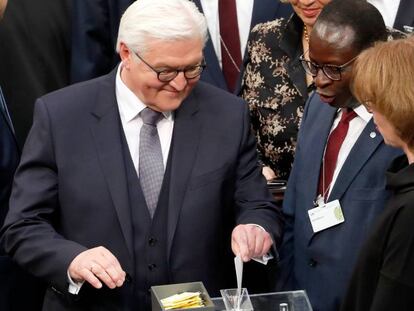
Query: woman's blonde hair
(383, 78)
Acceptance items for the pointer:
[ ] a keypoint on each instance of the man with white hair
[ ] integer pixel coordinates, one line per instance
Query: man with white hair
(141, 177)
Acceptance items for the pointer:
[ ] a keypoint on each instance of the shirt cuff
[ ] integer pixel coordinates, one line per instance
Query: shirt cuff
(74, 287)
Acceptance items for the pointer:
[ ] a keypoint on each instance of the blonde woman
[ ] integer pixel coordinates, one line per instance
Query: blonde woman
(383, 278)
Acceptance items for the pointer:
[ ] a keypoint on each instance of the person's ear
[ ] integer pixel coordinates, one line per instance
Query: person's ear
(125, 54)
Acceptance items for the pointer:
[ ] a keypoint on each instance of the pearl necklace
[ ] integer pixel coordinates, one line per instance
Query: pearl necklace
(305, 33)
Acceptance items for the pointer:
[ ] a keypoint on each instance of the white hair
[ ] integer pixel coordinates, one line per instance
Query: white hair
(165, 20)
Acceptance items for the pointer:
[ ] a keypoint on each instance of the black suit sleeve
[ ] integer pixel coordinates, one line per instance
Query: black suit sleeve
(9, 157)
(250, 202)
(30, 234)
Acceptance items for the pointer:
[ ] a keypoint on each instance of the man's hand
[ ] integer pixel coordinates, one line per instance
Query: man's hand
(95, 266)
(250, 241)
(268, 173)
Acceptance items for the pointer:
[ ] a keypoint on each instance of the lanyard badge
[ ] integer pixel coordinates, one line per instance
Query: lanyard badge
(325, 215)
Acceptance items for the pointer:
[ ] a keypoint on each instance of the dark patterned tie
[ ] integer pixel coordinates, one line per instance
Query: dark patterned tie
(151, 166)
(335, 140)
(230, 42)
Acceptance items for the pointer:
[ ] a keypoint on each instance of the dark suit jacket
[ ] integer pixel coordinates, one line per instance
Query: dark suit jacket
(405, 15)
(95, 29)
(18, 291)
(70, 189)
(9, 157)
(321, 263)
(95, 26)
(263, 11)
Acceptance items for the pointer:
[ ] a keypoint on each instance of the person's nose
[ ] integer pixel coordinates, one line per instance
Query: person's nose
(321, 80)
(179, 82)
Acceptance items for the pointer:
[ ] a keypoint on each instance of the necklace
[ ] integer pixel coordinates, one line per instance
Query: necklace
(305, 33)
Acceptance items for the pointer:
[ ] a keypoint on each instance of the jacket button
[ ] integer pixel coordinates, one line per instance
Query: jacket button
(152, 266)
(312, 263)
(152, 241)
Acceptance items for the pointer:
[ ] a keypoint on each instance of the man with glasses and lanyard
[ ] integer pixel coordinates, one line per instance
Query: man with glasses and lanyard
(145, 176)
(337, 185)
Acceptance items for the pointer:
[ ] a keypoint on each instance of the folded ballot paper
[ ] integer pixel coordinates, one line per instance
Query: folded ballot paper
(188, 296)
(184, 300)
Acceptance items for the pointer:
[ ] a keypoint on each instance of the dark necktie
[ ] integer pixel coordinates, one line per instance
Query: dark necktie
(335, 140)
(151, 166)
(230, 42)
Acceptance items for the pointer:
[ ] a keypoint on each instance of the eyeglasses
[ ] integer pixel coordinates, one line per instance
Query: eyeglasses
(167, 75)
(333, 72)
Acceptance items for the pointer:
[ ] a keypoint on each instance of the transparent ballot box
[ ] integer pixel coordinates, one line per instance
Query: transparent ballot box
(279, 301)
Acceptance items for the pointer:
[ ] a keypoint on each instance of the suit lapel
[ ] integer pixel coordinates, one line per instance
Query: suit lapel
(213, 70)
(106, 131)
(261, 12)
(4, 112)
(213, 67)
(364, 147)
(184, 149)
(265, 10)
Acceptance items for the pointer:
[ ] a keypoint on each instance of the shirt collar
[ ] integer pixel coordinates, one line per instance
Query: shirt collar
(363, 113)
(129, 104)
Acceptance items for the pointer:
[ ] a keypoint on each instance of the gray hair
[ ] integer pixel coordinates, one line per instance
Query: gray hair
(165, 20)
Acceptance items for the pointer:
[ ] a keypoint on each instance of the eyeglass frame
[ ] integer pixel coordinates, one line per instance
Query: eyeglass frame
(202, 66)
(340, 68)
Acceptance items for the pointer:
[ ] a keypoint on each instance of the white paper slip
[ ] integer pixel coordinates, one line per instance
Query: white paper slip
(238, 264)
(264, 259)
(326, 216)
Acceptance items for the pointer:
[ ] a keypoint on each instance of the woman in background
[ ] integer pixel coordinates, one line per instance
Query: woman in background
(275, 85)
(383, 278)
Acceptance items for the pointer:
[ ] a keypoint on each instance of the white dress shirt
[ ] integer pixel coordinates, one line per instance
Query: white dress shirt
(388, 10)
(244, 19)
(356, 126)
(130, 106)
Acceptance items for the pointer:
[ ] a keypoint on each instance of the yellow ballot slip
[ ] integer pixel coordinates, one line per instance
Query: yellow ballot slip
(183, 300)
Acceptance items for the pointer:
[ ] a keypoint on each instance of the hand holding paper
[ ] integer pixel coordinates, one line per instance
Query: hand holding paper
(250, 241)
